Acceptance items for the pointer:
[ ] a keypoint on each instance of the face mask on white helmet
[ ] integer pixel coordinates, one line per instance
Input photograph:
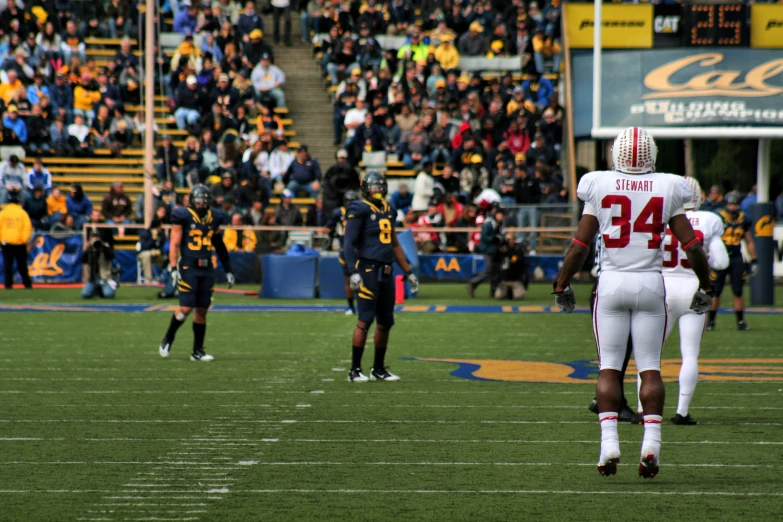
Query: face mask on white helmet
(634, 151)
(696, 199)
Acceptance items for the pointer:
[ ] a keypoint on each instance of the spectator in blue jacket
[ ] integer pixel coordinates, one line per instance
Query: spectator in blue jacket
(248, 21)
(186, 20)
(79, 205)
(62, 98)
(749, 200)
(37, 89)
(402, 198)
(304, 173)
(39, 176)
(15, 123)
(538, 90)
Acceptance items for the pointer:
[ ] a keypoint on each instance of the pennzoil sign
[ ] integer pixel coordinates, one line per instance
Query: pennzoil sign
(682, 87)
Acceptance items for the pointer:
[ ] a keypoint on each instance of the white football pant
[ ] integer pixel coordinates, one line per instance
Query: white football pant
(630, 302)
(679, 295)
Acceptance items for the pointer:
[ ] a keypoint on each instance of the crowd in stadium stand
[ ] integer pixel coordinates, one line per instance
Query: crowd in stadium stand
(413, 102)
(460, 131)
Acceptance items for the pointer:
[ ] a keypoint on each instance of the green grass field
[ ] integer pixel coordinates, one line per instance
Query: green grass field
(96, 426)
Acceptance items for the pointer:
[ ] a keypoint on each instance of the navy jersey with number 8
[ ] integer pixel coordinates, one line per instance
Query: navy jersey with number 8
(369, 231)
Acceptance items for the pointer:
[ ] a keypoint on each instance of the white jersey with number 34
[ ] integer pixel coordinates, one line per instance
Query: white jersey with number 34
(632, 212)
(709, 229)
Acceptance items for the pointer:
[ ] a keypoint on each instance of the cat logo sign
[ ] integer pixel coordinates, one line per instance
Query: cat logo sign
(451, 266)
(764, 226)
(580, 372)
(666, 24)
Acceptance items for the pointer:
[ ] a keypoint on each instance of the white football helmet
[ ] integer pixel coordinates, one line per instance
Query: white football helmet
(634, 151)
(696, 199)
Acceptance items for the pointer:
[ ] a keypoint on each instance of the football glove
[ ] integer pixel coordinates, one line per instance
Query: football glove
(230, 279)
(174, 273)
(355, 282)
(753, 268)
(413, 281)
(565, 299)
(702, 300)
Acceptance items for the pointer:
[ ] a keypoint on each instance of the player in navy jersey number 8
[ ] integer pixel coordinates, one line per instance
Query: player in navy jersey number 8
(370, 248)
(195, 234)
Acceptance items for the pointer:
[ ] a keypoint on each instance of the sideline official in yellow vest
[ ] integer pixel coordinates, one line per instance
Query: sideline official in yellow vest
(16, 229)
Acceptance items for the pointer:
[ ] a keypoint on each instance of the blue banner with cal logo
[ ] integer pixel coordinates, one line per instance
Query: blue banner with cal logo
(53, 259)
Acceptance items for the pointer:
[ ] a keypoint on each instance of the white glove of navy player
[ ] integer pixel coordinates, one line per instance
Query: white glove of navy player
(702, 301)
(230, 279)
(355, 282)
(174, 273)
(414, 282)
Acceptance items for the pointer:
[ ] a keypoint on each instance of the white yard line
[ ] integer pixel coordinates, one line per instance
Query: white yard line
(514, 441)
(516, 492)
(533, 464)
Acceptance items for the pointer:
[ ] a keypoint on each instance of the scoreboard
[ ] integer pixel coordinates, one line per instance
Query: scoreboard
(645, 26)
(701, 25)
(716, 25)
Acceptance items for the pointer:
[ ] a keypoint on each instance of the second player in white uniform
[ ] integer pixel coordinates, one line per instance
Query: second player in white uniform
(630, 206)
(681, 283)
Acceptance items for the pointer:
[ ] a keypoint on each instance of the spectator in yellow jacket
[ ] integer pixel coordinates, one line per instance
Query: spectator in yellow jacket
(446, 54)
(85, 96)
(16, 229)
(239, 240)
(545, 47)
(8, 89)
(56, 204)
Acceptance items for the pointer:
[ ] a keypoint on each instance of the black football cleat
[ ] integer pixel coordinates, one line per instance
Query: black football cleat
(165, 347)
(382, 375)
(683, 421)
(593, 406)
(625, 414)
(710, 326)
(201, 356)
(648, 467)
(356, 375)
(638, 418)
(742, 326)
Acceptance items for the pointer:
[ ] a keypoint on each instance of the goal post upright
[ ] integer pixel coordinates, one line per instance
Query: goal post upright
(597, 29)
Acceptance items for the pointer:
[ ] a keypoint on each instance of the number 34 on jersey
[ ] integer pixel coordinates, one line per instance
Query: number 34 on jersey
(632, 213)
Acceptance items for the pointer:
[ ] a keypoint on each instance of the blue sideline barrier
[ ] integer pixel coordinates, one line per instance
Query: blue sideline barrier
(288, 277)
(330, 278)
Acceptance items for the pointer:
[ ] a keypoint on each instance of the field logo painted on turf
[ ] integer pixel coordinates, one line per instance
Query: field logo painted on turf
(586, 371)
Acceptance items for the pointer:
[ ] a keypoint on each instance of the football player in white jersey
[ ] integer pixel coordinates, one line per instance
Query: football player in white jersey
(681, 283)
(630, 206)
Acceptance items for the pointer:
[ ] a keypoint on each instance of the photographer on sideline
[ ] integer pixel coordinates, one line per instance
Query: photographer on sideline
(513, 270)
(492, 235)
(98, 256)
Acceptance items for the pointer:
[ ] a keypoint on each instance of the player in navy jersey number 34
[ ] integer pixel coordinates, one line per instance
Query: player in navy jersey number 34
(195, 234)
(371, 247)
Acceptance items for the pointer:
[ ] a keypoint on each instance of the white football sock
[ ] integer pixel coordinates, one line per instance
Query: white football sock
(610, 442)
(689, 375)
(652, 435)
